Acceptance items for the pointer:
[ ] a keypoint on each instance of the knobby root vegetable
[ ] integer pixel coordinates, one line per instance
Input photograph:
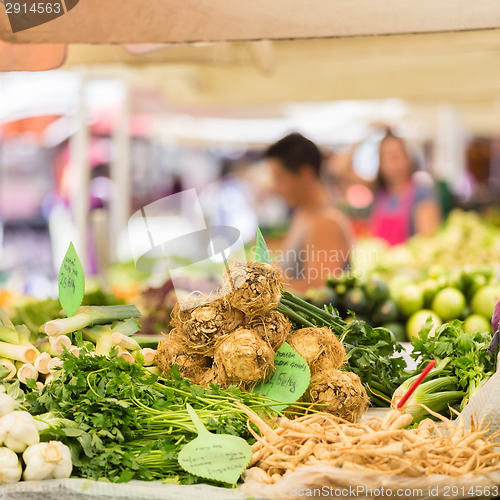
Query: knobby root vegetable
(343, 392)
(191, 365)
(272, 327)
(253, 287)
(319, 347)
(200, 327)
(242, 356)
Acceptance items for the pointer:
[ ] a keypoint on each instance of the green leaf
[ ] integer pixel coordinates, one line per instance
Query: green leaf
(4, 372)
(262, 252)
(71, 282)
(14, 390)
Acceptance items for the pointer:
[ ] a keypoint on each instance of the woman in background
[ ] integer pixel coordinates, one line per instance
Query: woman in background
(403, 206)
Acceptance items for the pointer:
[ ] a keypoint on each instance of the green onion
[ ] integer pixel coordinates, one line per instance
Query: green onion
(24, 353)
(89, 316)
(8, 335)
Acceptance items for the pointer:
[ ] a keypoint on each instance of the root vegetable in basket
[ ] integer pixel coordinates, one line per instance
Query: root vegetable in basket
(243, 357)
(253, 287)
(201, 326)
(342, 391)
(319, 347)
(272, 327)
(193, 366)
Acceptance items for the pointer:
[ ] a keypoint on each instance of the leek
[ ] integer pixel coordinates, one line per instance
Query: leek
(10, 366)
(27, 371)
(124, 342)
(60, 343)
(89, 316)
(5, 320)
(9, 335)
(24, 353)
(150, 341)
(42, 363)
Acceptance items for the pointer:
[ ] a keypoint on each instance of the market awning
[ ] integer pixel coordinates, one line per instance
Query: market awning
(171, 21)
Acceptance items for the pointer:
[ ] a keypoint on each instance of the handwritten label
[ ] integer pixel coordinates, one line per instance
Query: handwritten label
(71, 282)
(290, 378)
(219, 457)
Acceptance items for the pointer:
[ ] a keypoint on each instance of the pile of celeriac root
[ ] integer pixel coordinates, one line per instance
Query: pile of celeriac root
(374, 446)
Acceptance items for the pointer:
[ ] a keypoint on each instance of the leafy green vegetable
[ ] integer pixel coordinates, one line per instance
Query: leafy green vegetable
(130, 424)
(463, 355)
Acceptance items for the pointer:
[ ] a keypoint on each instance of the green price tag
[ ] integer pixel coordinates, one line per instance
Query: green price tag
(289, 380)
(262, 252)
(219, 457)
(71, 282)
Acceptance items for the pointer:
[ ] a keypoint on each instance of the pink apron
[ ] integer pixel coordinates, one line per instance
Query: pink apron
(391, 220)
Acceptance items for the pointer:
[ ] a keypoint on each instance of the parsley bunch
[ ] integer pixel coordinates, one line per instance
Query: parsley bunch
(121, 422)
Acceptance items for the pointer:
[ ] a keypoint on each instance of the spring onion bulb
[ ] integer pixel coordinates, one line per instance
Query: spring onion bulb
(124, 342)
(59, 343)
(10, 366)
(42, 362)
(27, 371)
(75, 351)
(149, 355)
(7, 404)
(126, 356)
(54, 364)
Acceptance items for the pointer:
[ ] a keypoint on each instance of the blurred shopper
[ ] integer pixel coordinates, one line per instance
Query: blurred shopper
(405, 203)
(319, 239)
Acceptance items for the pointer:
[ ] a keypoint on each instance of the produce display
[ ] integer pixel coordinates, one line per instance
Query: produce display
(87, 394)
(464, 365)
(232, 338)
(452, 275)
(122, 422)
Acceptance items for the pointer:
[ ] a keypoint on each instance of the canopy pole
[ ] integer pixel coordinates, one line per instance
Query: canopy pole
(80, 174)
(119, 208)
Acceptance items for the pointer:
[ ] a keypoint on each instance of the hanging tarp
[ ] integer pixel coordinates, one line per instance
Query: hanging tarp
(187, 21)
